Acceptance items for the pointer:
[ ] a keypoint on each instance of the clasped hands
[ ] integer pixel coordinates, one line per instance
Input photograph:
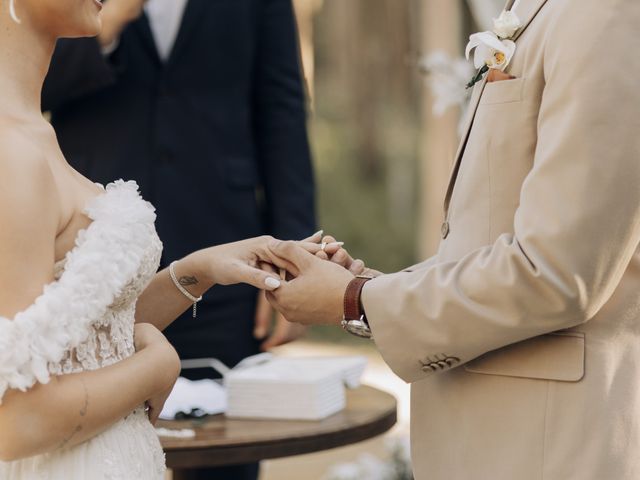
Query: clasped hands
(318, 270)
(317, 277)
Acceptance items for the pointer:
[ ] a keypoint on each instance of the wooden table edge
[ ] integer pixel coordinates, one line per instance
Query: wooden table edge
(230, 455)
(200, 457)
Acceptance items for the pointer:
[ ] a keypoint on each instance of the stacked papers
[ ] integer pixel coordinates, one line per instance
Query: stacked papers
(264, 386)
(308, 388)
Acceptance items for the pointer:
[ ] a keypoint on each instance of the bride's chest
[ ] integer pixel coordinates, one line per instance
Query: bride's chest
(109, 337)
(92, 302)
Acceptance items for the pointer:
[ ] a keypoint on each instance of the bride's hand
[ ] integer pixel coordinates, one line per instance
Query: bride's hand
(327, 248)
(342, 257)
(238, 262)
(249, 261)
(323, 247)
(168, 363)
(156, 403)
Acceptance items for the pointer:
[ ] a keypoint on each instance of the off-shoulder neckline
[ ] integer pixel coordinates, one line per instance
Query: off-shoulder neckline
(105, 258)
(58, 266)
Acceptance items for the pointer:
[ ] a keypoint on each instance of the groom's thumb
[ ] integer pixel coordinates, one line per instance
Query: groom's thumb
(292, 252)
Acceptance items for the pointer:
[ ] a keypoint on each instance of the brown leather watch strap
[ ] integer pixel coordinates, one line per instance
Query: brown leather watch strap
(352, 305)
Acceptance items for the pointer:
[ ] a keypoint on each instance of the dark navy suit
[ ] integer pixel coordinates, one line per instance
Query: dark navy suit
(215, 137)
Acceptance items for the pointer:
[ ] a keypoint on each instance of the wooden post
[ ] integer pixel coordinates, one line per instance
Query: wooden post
(441, 30)
(305, 10)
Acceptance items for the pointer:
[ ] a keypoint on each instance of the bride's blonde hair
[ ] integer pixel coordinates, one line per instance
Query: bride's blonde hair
(12, 11)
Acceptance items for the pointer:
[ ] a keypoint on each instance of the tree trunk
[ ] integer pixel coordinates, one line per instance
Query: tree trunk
(442, 21)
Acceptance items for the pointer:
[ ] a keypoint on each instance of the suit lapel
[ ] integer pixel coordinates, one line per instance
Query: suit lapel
(192, 14)
(527, 11)
(470, 115)
(143, 28)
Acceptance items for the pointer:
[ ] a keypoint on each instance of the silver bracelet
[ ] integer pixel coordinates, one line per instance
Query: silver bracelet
(183, 290)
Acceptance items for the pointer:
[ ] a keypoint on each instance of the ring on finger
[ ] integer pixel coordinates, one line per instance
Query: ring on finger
(323, 246)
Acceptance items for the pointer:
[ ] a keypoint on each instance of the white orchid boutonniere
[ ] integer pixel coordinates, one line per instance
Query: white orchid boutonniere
(493, 49)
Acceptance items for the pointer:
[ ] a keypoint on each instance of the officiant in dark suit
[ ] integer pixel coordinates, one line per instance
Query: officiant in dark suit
(202, 103)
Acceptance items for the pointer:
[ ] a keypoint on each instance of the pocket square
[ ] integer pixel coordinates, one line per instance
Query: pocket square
(496, 75)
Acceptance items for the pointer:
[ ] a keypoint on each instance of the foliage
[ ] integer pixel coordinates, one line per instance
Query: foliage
(359, 210)
(365, 130)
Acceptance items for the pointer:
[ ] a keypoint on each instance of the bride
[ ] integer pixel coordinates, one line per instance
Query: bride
(83, 365)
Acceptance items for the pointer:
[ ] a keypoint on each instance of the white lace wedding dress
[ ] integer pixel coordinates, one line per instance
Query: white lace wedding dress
(84, 321)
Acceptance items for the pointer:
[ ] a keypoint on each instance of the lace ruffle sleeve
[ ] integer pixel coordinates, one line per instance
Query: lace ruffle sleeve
(106, 256)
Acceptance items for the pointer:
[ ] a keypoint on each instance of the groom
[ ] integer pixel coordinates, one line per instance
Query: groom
(521, 336)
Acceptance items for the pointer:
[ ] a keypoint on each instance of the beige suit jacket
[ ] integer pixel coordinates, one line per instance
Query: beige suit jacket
(522, 335)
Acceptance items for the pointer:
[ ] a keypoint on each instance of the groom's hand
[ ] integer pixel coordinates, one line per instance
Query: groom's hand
(315, 296)
(274, 332)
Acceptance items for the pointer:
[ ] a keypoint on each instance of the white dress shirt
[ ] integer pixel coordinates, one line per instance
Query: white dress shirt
(165, 18)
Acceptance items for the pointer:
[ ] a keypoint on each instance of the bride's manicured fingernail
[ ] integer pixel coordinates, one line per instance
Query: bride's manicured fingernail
(318, 233)
(338, 244)
(272, 283)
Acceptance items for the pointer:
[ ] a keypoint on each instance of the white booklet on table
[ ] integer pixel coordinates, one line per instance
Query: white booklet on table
(266, 386)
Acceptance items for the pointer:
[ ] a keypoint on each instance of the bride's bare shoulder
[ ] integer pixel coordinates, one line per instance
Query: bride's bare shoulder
(29, 216)
(23, 162)
(26, 180)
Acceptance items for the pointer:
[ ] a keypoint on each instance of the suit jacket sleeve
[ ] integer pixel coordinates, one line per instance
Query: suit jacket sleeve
(280, 125)
(422, 265)
(575, 231)
(78, 68)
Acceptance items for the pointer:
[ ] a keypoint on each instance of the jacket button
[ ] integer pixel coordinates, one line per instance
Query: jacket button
(445, 229)
(428, 369)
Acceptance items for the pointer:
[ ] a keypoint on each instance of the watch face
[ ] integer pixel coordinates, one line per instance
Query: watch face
(358, 328)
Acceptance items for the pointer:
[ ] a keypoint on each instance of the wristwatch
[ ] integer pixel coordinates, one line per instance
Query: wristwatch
(355, 320)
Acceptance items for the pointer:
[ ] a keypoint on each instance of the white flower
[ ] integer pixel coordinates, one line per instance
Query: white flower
(447, 78)
(506, 25)
(490, 50)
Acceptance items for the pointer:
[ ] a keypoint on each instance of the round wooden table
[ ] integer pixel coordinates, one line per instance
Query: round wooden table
(222, 441)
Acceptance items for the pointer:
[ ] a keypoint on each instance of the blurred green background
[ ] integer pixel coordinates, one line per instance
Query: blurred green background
(364, 127)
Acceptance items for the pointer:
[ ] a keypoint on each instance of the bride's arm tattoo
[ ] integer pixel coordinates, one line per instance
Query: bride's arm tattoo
(85, 407)
(83, 413)
(68, 438)
(187, 280)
